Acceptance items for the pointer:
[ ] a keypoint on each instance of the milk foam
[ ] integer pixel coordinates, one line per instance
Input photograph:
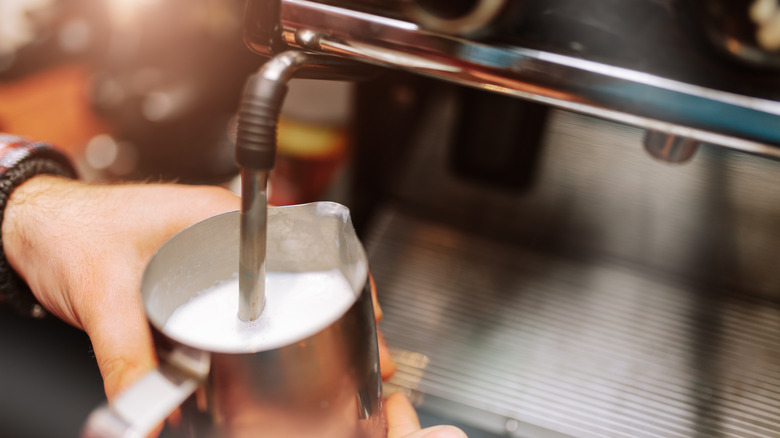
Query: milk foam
(297, 305)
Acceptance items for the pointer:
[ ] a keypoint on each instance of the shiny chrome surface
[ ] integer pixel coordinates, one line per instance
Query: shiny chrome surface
(252, 245)
(439, 16)
(327, 385)
(573, 347)
(255, 154)
(670, 148)
(254, 179)
(638, 300)
(607, 91)
(282, 68)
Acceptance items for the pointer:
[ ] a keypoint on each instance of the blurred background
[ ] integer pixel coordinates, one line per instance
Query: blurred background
(132, 89)
(148, 89)
(136, 90)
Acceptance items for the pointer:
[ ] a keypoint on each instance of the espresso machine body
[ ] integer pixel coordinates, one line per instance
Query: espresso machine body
(570, 209)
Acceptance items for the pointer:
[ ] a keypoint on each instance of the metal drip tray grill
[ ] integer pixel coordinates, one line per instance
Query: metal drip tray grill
(542, 345)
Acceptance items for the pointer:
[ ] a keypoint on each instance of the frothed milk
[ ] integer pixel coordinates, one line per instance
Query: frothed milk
(297, 305)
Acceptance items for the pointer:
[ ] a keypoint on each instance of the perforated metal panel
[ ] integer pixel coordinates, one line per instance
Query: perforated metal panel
(622, 297)
(577, 347)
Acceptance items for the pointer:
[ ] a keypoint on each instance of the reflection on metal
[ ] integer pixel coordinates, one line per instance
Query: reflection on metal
(624, 95)
(252, 248)
(456, 18)
(258, 115)
(406, 380)
(580, 348)
(632, 300)
(670, 148)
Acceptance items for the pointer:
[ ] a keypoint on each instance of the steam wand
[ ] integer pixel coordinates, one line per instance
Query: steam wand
(258, 114)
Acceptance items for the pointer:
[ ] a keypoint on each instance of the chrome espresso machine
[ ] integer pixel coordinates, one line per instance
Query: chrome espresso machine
(571, 207)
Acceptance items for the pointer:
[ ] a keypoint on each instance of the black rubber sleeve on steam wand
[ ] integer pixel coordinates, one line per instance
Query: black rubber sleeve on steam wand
(258, 115)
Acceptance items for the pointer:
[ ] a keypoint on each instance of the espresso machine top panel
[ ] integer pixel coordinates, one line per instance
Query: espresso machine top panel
(647, 63)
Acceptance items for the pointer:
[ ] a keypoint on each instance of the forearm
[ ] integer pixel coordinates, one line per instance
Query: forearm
(83, 247)
(58, 231)
(28, 214)
(20, 160)
(36, 228)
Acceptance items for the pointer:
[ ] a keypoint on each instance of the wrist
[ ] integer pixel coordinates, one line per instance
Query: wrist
(20, 162)
(25, 216)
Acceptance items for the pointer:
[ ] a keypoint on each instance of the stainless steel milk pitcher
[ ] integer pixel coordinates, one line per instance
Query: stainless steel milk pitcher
(326, 384)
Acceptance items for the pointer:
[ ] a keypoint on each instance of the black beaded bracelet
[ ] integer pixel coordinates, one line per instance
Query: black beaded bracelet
(20, 160)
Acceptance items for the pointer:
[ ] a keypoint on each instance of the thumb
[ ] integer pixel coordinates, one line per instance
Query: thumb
(402, 421)
(401, 417)
(438, 432)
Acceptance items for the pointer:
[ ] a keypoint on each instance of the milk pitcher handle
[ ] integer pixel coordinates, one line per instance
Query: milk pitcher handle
(141, 407)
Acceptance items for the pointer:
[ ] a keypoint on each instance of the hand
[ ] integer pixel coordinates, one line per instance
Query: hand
(402, 422)
(82, 248)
